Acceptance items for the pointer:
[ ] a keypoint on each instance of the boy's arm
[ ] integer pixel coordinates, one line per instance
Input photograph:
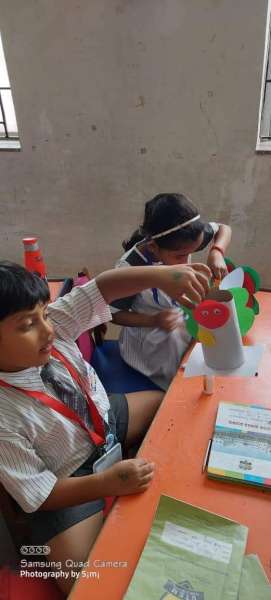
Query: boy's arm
(87, 306)
(78, 311)
(179, 282)
(23, 473)
(27, 479)
(126, 477)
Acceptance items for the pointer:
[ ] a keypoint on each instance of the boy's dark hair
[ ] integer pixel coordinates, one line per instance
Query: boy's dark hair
(163, 212)
(20, 289)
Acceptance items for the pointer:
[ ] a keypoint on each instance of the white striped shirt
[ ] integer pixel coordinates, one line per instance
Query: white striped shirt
(37, 444)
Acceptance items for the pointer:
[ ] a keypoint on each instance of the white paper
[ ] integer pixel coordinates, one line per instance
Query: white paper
(235, 279)
(197, 543)
(243, 418)
(228, 350)
(237, 464)
(197, 366)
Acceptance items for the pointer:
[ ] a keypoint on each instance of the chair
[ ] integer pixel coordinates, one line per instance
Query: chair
(116, 376)
(14, 586)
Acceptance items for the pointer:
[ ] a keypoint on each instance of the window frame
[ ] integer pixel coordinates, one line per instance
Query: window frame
(8, 142)
(264, 145)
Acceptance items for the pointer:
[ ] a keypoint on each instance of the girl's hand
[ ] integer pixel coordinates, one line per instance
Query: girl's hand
(188, 284)
(168, 319)
(217, 264)
(131, 476)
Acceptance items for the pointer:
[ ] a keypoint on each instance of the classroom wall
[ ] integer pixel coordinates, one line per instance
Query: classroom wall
(117, 101)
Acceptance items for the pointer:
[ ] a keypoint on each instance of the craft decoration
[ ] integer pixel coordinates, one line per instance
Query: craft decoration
(250, 282)
(219, 323)
(217, 316)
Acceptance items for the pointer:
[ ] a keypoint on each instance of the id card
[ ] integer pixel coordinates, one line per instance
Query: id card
(107, 460)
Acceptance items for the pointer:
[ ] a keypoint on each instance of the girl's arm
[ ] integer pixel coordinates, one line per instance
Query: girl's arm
(217, 251)
(129, 318)
(167, 319)
(223, 237)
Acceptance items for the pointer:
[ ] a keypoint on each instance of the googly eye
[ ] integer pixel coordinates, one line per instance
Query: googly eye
(205, 313)
(217, 311)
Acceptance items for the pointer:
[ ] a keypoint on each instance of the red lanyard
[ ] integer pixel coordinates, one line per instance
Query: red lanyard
(98, 435)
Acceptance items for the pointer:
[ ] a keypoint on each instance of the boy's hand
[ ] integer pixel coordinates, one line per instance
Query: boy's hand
(131, 476)
(168, 319)
(217, 264)
(188, 284)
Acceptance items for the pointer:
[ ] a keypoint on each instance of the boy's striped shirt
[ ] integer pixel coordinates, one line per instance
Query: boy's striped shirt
(37, 444)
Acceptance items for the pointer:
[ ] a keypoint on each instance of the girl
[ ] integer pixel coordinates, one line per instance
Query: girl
(154, 337)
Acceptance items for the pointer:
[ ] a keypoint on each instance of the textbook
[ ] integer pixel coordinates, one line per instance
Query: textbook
(190, 554)
(241, 445)
(253, 583)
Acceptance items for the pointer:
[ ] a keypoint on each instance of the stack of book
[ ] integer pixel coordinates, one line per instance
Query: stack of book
(241, 445)
(192, 554)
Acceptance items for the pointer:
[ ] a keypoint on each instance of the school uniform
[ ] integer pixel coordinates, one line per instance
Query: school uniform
(152, 351)
(39, 445)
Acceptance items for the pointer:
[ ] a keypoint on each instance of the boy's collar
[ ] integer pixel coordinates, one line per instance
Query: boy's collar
(28, 379)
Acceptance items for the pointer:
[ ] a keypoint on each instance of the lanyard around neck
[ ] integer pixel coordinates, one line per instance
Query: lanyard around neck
(98, 435)
(94, 413)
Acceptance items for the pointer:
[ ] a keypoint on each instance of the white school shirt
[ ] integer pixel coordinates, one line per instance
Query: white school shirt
(37, 444)
(153, 351)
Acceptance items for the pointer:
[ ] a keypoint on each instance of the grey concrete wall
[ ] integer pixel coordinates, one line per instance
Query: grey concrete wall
(118, 100)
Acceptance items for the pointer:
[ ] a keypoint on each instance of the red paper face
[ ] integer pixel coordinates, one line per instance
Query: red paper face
(211, 314)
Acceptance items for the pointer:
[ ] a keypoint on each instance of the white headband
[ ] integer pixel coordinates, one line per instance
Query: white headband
(176, 228)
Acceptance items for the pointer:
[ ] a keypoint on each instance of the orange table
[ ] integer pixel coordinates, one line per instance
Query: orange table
(177, 442)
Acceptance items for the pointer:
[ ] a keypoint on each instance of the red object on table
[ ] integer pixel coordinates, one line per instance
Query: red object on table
(33, 258)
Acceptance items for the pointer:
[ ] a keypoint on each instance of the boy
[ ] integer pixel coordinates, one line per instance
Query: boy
(55, 414)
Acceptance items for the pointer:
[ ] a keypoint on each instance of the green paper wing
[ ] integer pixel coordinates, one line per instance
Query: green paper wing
(245, 315)
(255, 307)
(190, 323)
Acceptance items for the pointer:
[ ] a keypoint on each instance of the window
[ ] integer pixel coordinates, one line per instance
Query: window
(9, 138)
(264, 125)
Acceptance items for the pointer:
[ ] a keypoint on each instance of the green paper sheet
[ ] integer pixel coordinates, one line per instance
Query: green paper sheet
(245, 314)
(253, 583)
(190, 554)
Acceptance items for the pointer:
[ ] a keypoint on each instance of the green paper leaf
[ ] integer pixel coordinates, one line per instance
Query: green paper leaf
(190, 323)
(255, 307)
(245, 315)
